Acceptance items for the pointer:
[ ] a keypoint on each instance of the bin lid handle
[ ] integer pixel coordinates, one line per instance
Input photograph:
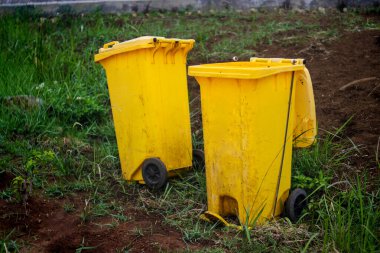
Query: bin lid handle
(109, 44)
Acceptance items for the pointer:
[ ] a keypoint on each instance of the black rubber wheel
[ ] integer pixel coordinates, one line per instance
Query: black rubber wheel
(198, 159)
(295, 204)
(154, 173)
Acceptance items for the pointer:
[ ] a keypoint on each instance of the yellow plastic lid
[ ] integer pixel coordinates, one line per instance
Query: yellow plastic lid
(116, 47)
(246, 70)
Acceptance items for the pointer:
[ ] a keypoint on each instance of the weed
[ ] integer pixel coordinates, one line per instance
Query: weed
(198, 232)
(69, 207)
(100, 209)
(312, 183)
(86, 212)
(350, 210)
(377, 153)
(82, 247)
(121, 217)
(30, 175)
(138, 231)
(7, 194)
(8, 245)
(338, 207)
(209, 250)
(21, 189)
(55, 190)
(275, 236)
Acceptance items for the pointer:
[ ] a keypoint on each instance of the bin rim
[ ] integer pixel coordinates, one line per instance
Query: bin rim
(244, 70)
(116, 47)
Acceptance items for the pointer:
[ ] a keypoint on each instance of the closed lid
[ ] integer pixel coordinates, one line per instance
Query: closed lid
(116, 47)
(246, 70)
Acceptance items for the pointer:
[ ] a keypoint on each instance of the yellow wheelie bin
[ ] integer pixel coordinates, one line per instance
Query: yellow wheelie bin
(147, 84)
(248, 113)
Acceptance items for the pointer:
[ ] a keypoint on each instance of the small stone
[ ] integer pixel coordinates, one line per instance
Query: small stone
(298, 10)
(23, 101)
(322, 10)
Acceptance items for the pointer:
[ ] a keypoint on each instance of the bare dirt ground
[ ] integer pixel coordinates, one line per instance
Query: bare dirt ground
(48, 228)
(332, 64)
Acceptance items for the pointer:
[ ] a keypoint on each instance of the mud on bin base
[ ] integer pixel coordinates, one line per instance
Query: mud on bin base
(147, 84)
(249, 112)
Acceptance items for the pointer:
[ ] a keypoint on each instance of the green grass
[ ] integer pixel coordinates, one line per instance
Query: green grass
(67, 146)
(343, 205)
(8, 245)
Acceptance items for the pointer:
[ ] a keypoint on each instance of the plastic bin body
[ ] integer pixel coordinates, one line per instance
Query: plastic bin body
(245, 111)
(149, 98)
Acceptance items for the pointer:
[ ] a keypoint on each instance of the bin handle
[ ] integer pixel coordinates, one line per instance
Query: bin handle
(157, 45)
(186, 50)
(177, 47)
(169, 48)
(109, 44)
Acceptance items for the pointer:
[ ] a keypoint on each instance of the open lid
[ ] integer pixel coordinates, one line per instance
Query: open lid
(116, 47)
(246, 70)
(305, 125)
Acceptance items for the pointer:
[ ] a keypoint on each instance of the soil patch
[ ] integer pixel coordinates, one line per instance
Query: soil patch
(47, 227)
(5, 180)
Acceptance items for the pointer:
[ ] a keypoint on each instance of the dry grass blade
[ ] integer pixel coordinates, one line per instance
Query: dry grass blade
(363, 80)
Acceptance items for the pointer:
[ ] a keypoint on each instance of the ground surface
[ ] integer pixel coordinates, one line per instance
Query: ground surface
(48, 228)
(47, 224)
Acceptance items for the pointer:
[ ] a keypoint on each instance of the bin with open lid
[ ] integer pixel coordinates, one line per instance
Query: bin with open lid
(249, 114)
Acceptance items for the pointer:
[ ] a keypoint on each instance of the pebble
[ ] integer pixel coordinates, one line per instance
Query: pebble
(23, 101)
(322, 10)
